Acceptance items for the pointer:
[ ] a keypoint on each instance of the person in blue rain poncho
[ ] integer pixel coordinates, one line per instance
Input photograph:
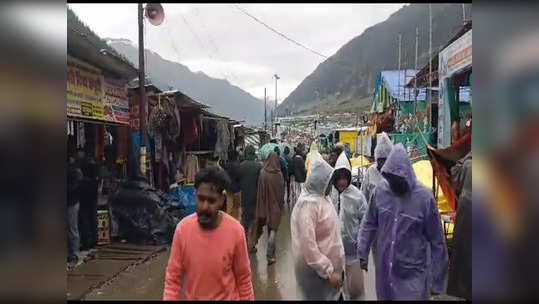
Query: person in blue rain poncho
(405, 215)
(351, 206)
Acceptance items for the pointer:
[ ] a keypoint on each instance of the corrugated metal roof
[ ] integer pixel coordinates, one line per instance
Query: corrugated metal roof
(464, 93)
(185, 101)
(395, 80)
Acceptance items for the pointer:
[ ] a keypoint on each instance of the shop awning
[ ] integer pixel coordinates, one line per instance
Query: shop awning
(95, 121)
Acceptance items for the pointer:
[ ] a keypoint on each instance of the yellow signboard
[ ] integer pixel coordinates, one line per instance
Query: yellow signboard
(84, 90)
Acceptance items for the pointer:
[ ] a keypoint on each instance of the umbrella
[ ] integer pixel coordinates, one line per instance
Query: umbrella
(266, 149)
(282, 145)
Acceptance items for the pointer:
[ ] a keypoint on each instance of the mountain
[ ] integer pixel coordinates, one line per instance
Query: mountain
(223, 97)
(349, 75)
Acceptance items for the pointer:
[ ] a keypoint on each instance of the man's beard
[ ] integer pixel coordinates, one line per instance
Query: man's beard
(205, 219)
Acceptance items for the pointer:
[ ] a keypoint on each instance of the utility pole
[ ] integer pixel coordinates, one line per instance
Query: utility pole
(430, 60)
(265, 110)
(405, 70)
(142, 90)
(271, 126)
(415, 76)
(398, 87)
(463, 13)
(430, 91)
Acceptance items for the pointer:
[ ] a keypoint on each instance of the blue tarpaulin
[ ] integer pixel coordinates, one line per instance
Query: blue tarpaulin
(396, 89)
(184, 196)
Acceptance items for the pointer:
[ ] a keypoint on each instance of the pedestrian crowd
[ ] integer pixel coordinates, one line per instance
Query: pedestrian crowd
(83, 184)
(334, 227)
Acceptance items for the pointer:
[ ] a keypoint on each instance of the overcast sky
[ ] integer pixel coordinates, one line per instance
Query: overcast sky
(223, 42)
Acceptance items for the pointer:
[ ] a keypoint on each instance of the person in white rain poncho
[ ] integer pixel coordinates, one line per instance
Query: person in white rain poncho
(374, 177)
(351, 206)
(316, 239)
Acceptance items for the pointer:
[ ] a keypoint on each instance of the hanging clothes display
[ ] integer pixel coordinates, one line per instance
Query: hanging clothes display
(232, 136)
(81, 139)
(223, 140)
(191, 168)
(178, 122)
(189, 129)
(158, 139)
(209, 135)
(121, 141)
(99, 152)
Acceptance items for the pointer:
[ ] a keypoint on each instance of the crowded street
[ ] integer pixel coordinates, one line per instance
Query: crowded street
(276, 282)
(183, 187)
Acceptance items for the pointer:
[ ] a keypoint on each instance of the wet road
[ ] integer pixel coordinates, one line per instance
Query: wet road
(278, 281)
(274, 282)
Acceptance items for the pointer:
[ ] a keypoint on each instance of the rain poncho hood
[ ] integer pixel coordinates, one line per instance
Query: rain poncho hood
(316, 240)
(398, 163)
(405, 226)
(265, 150)
(383, 146)
(316, 184)
(343, 162)
(351, 205)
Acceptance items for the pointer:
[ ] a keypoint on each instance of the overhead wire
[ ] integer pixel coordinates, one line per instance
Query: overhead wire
(203, 46)
(173, 44)
(279, 33)
(211, 42)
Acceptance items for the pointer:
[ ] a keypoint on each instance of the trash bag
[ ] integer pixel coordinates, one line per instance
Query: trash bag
(143, 214)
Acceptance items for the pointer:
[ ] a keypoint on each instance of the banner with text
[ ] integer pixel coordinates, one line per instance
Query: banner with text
(84, 90)
(115, 101)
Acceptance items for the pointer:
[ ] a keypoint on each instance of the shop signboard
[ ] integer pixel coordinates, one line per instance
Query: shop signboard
(453, 59)
(84, 90)
(115, 101)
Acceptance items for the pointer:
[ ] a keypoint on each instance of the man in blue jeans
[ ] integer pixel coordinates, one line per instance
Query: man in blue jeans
(74, 178)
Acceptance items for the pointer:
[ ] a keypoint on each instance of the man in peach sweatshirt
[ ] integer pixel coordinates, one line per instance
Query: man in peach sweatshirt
(209, 259)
